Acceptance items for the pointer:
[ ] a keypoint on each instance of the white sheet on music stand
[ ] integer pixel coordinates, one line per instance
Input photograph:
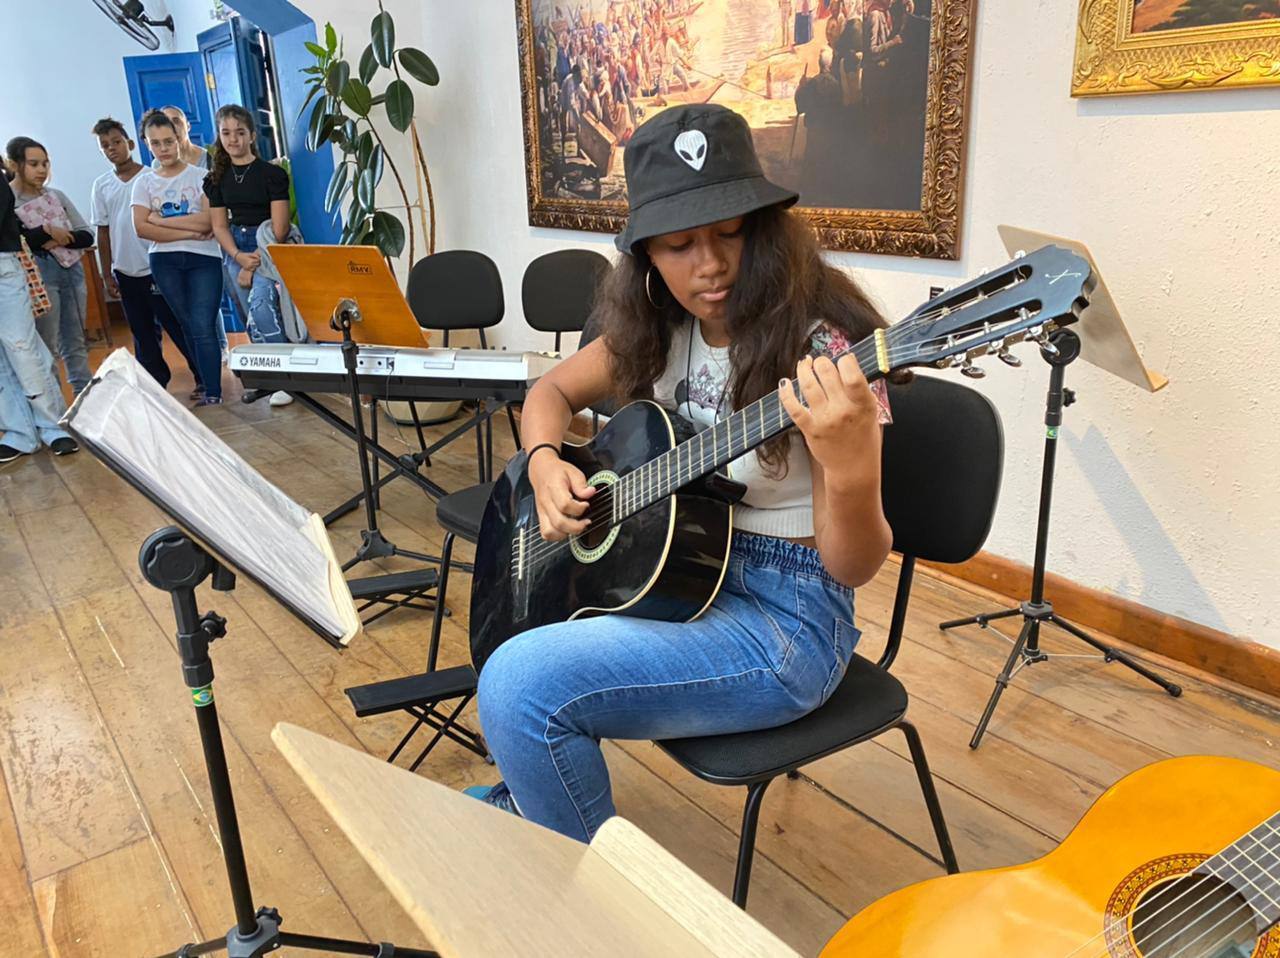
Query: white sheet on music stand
(201, 482)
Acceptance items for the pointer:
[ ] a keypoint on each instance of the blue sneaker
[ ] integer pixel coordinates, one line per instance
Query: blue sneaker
(499, 796)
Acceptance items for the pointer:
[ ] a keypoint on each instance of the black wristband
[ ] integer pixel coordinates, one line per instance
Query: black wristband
(554, 447)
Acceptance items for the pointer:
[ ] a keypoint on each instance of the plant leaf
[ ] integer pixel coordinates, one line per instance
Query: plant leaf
(388, 233)
(336, 183)
(376, 163)
(399, 104)
(349, 137)
(319, 114)
(383, 30)
(368, 64)
(315, 49)
(419, 66)
(337, 206)
(307, 102)
(365, 187)
(330, 38)
(355, 93)
(362, 232)
(337, 77)
(364, 149)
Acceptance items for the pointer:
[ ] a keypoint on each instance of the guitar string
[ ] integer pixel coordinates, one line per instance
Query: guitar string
(1114, 925)
(1212, 949)
(601, 505)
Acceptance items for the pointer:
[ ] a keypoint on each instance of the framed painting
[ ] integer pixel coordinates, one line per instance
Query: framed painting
(858, 105)
(1150, 46)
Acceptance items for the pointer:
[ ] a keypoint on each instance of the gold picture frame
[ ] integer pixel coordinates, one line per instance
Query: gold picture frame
(1117, 53)
(932, 230)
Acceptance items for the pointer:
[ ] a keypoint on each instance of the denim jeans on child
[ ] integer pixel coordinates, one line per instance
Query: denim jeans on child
(260, 302)
(192, 286)
(31, 401)
(772, 647)
(62, 328)
(149, 316)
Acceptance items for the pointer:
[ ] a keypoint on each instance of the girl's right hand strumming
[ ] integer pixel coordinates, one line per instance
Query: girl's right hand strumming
(562, 495)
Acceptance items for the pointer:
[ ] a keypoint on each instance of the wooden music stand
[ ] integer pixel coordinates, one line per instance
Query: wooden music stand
(515, 888)
(317, 277)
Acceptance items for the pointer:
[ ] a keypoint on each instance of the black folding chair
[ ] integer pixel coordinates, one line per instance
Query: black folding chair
(559, 290)
(940, 480)
(455, 290)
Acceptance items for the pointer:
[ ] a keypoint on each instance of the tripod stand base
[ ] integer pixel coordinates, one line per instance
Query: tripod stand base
(1026, 651)
(268, 937)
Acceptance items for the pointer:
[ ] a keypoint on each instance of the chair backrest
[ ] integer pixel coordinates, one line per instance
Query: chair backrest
(456, 289)
(940, 478)
(559, 290)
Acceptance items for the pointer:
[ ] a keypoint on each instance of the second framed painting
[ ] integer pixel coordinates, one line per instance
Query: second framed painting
(859, 105)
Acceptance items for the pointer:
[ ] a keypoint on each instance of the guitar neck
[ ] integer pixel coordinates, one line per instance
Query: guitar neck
(727, 440)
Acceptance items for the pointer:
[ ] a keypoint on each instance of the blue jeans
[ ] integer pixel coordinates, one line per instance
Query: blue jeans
(261, 301)
(31, 401)
(62, 328)
(192, 286)
(772, 647)
(148, 315)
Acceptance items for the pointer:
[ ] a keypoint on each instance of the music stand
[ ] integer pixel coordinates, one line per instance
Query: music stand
(230, 521)
(1100, 338)
(351, 291)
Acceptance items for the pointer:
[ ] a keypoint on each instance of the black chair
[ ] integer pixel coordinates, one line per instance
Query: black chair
(462, 289)
(559, 290)
(941, 467)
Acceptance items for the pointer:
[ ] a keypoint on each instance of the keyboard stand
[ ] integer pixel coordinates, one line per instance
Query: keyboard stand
(395, 590)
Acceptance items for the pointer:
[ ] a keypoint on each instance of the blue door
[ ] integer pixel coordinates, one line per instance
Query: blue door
(170, 79)
(236, 67)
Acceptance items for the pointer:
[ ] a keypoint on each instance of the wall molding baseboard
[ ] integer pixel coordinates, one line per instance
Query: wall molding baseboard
(1226, 656)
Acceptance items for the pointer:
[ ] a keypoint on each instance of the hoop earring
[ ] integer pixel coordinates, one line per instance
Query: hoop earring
(648, 291)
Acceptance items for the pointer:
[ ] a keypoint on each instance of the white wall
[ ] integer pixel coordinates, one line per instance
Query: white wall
(60, 111)
(1164, 499)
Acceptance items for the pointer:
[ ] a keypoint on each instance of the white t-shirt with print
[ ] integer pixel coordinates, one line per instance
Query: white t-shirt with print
(174, 196)
(696, 385)
(111, 205)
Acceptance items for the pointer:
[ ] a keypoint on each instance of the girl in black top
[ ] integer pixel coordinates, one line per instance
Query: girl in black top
(245, 193)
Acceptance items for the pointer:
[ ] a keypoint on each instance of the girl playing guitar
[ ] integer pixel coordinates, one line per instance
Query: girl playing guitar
(719, 297)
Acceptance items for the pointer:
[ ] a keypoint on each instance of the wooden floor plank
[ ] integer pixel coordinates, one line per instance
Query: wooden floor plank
(21, 934)
(122, 903)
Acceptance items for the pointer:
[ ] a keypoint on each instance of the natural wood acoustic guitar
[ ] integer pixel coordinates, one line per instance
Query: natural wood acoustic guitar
(1181, 859)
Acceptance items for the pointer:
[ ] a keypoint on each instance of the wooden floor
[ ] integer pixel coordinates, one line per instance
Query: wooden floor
(107, 840)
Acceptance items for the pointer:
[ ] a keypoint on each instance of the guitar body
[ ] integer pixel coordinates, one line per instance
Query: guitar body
(666, 562)
(1146, 831)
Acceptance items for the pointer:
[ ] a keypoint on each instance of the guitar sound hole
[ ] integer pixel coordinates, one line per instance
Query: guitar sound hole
(595, 535)
(1193, 916)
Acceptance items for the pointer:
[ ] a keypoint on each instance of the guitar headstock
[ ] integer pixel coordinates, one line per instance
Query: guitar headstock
(1027, 298)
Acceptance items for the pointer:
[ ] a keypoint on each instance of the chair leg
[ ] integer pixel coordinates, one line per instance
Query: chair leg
(442, 586)
(930, 796)
(515, 430)
(747, 844)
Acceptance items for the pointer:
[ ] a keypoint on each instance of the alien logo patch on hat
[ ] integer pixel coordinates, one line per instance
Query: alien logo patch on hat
(691, 146)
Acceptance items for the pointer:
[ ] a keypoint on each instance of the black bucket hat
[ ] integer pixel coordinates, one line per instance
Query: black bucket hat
(689, 166)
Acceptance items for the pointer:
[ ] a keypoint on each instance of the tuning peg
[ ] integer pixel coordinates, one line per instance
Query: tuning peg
(1046, 344)
(967, 368)
(1008, 358)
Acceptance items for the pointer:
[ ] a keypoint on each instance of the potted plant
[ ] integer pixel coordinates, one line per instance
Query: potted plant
(344, 113)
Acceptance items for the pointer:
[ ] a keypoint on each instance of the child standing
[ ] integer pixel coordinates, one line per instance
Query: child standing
(126, 269)
(62, 328)
(245, 193)
(169, 210)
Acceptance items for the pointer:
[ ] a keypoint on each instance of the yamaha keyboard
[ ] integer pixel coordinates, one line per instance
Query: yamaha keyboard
(390, 372)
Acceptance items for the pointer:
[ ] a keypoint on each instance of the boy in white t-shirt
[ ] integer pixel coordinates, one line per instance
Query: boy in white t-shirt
(122, 256)
(170, 211)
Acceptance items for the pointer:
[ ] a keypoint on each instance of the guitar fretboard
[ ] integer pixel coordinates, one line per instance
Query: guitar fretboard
(718, 445)
(1251, 865)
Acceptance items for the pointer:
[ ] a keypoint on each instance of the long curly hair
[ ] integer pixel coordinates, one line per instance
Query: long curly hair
(783, 288)
(221, 160)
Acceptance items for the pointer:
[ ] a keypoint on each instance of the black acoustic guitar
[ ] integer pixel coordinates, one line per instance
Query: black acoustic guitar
(662, 516)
